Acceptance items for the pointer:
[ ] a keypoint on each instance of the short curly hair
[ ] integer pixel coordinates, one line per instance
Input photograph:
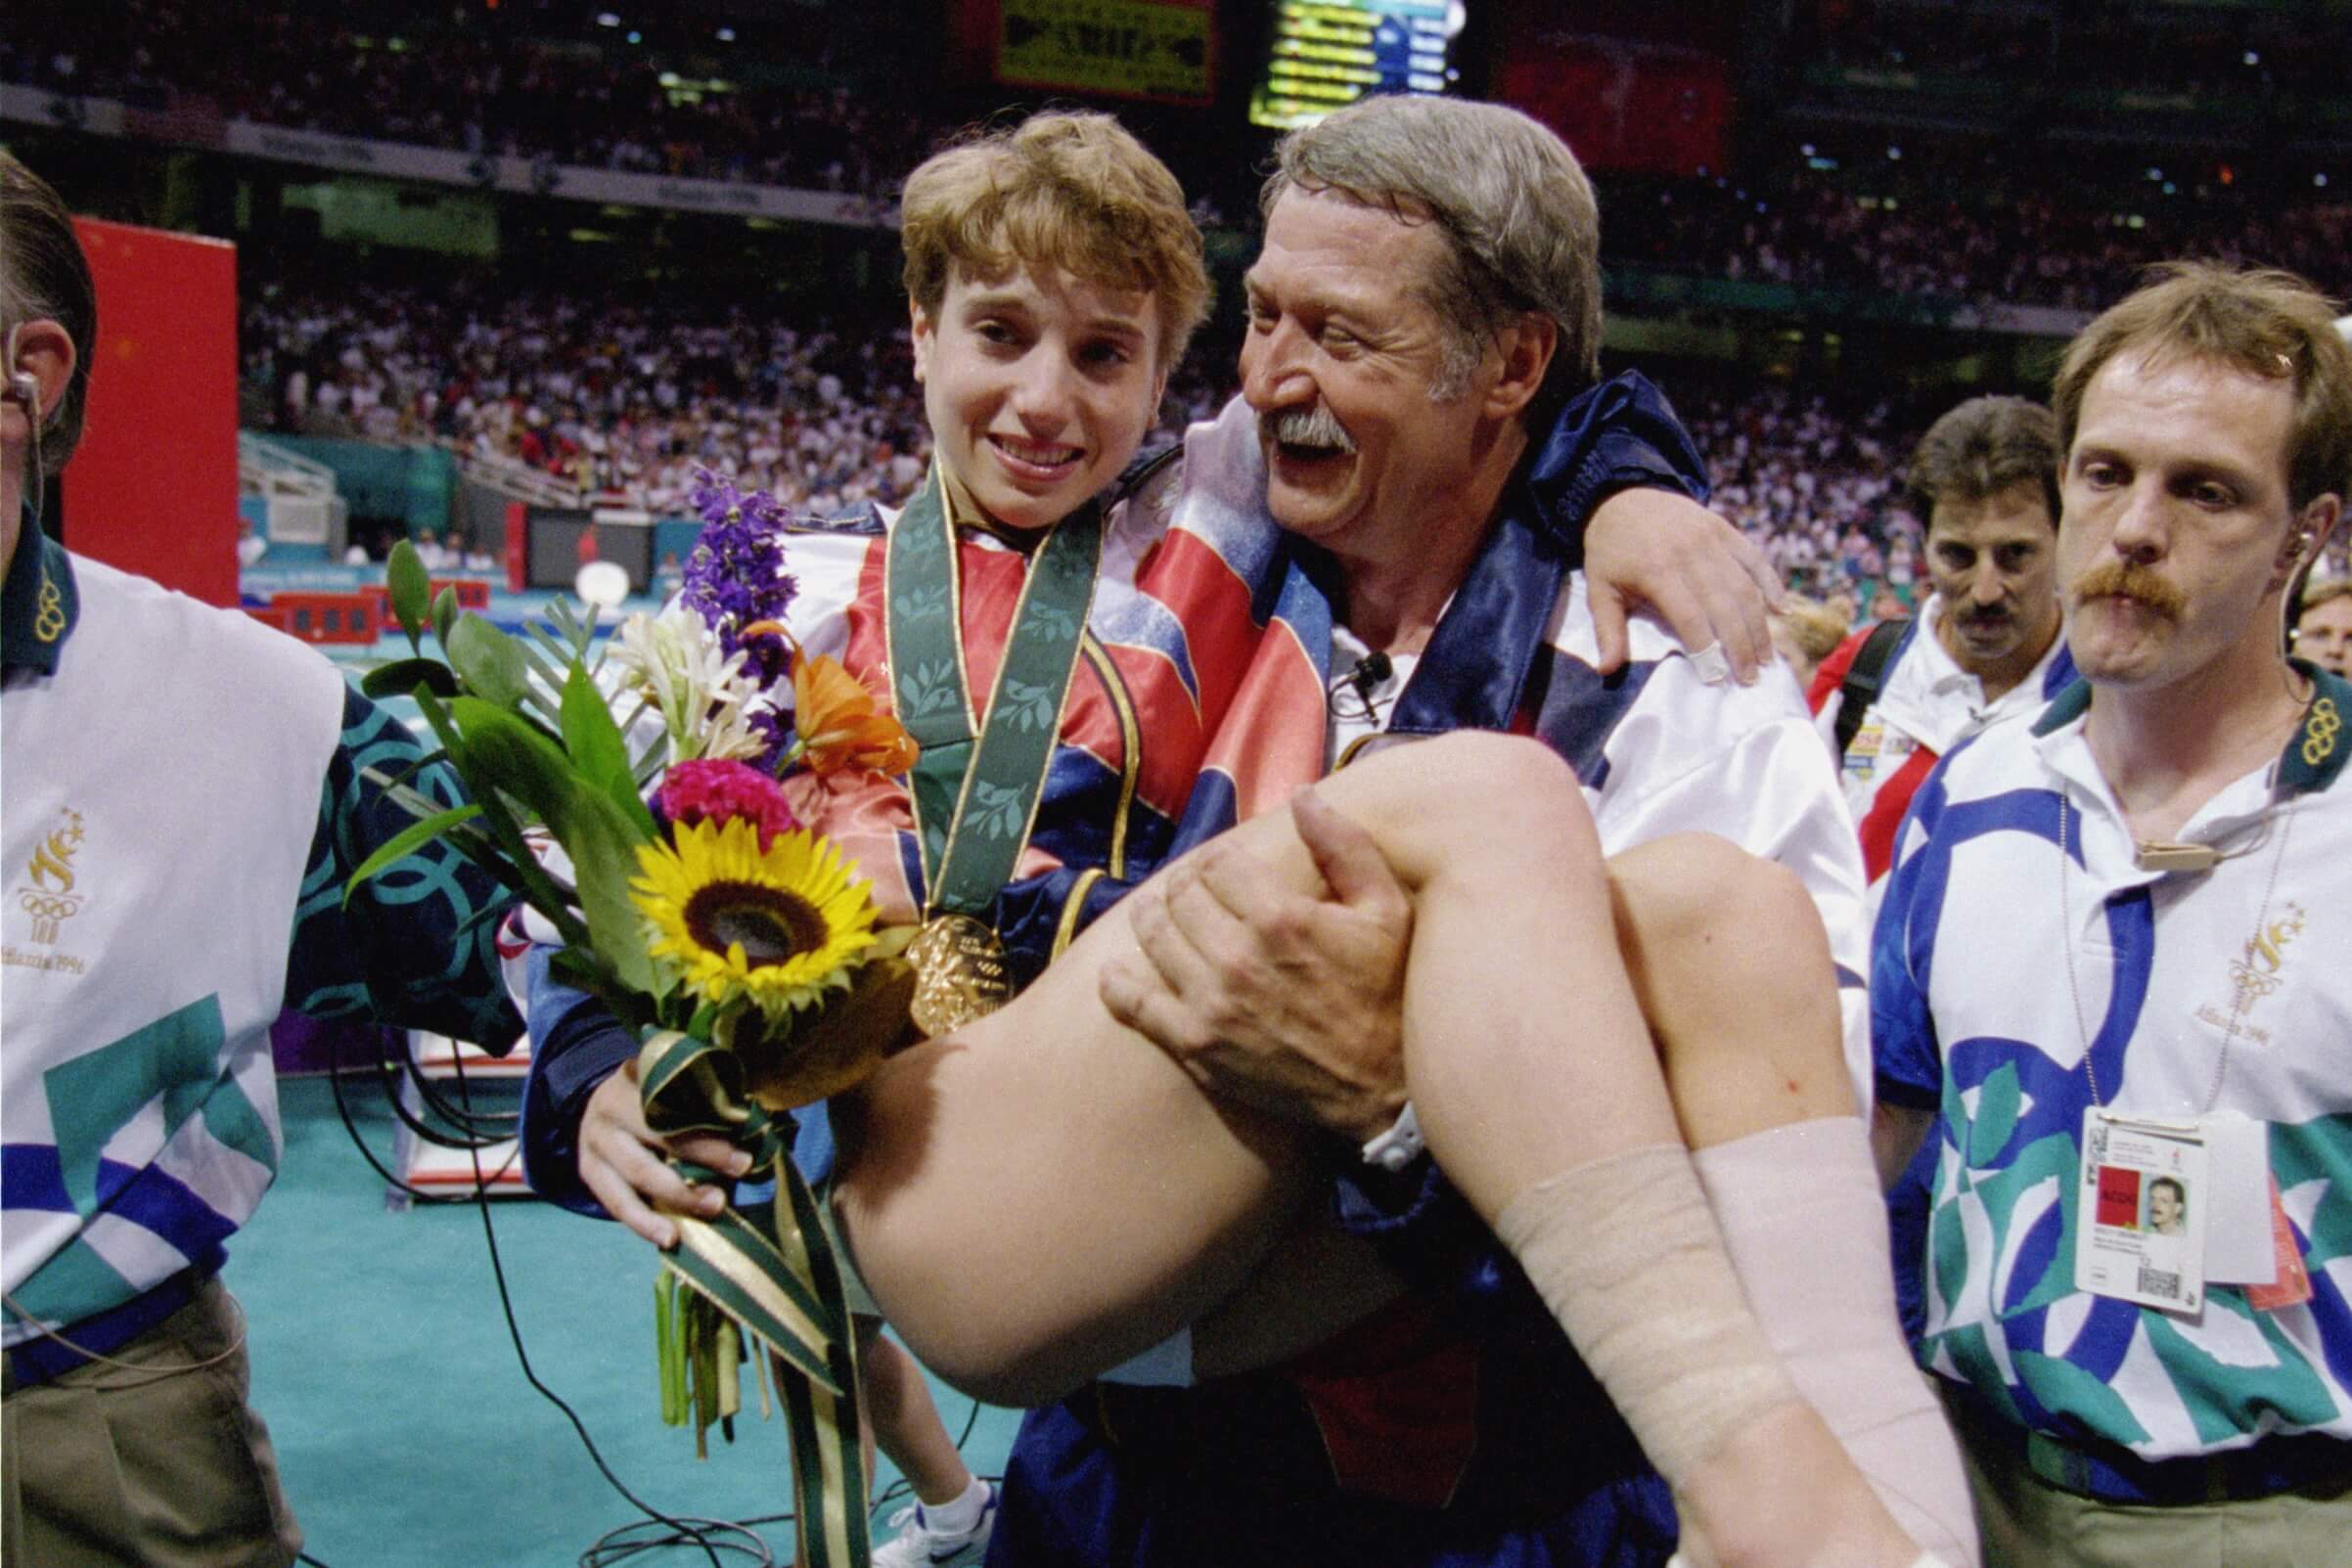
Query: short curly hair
(1061, 189)
(2262, 322)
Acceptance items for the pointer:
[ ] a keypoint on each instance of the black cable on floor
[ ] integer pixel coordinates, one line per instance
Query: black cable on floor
(487, 1125)
(506, 1302)
(342, 1107)
(613, 1548)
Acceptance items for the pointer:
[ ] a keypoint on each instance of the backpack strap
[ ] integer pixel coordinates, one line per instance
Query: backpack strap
(1864, 677)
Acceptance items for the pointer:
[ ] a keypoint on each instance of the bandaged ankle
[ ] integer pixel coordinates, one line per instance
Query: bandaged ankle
(1626, 1255)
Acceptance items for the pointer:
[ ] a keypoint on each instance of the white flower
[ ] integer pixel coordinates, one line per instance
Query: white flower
(706, 699)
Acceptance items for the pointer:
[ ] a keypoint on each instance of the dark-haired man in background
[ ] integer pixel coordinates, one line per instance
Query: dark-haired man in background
(1890, 699)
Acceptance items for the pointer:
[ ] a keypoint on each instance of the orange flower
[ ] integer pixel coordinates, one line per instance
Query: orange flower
(838, 724)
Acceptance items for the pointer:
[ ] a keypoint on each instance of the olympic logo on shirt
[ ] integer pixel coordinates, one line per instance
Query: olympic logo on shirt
(2320, 732)
(47, 911)
(49, 619)
(50, 898)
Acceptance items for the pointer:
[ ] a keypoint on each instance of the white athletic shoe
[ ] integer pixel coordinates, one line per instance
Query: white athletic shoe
(918, 1545)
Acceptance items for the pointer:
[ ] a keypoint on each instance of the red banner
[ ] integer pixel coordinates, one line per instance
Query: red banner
(152, 486)
(1624, 105)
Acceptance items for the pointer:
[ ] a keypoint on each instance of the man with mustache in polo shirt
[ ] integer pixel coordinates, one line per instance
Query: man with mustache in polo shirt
(2109, 960)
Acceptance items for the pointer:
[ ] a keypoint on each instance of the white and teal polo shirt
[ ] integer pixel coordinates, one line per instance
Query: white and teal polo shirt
(182, 803)
(1974, 1018)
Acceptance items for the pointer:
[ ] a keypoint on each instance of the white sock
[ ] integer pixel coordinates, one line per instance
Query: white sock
(959, 1516)
(1805, 1224)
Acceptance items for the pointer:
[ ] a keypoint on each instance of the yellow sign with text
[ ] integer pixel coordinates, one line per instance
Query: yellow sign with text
(1160, 49)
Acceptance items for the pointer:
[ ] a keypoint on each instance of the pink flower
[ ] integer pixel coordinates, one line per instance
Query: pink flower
(704, 790)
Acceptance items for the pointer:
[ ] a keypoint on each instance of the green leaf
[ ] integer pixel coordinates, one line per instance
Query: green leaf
(602, 845)
(488, 913)
(540, 677)
(415, 836)
(521, 865)
(444, 614)
(497, 749)
(416, 802)
(404, 574)
(403, 676)
(490, 662)
(579, 633)
(597, 746)
(647, 766)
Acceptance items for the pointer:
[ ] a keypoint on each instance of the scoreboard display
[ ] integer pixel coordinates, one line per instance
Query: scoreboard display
(1325, 54)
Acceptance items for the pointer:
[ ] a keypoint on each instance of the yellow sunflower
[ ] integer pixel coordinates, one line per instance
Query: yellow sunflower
(779, 927)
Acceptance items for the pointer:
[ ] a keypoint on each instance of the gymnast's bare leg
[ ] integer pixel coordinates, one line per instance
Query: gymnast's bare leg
(1045, 1195)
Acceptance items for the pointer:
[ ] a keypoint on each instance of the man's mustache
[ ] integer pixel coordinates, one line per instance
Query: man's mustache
(2128, 579)
(1305, 427)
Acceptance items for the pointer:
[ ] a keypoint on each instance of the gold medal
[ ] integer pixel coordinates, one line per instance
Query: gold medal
(959, 974)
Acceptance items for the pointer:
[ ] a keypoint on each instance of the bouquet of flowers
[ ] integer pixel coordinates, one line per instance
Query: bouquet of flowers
(734, 940)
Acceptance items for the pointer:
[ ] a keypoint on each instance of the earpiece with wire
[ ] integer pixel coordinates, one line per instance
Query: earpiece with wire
(2305, 542)
(25, 389)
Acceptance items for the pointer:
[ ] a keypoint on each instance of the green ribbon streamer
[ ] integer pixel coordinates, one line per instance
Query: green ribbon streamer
(975, 795)
(772, 1271)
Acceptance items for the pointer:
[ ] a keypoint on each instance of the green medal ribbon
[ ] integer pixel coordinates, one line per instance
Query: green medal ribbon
(976, 784)
(770, 1270)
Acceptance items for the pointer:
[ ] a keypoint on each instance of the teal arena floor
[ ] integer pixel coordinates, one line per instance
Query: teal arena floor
(406, 1431)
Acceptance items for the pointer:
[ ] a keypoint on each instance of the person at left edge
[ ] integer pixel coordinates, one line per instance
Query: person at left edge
(158, 918)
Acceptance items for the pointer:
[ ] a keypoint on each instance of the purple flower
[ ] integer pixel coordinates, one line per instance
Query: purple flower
(735, 576)
(776, 725)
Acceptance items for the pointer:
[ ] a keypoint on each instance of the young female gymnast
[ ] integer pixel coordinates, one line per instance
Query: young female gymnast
(1049, 295)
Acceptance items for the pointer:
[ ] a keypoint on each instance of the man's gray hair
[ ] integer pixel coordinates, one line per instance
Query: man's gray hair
(1524, 231)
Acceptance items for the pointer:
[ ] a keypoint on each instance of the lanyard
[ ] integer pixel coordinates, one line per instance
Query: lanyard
(2244, 993)
(978, 783)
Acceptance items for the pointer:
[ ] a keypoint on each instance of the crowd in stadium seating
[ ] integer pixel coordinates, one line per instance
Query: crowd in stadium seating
(310, 68)
(629, 402)
(2202, 52)
(1818, 486)
(2040, 248)
(1961, 234)
(612, 400)
(618, 401)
